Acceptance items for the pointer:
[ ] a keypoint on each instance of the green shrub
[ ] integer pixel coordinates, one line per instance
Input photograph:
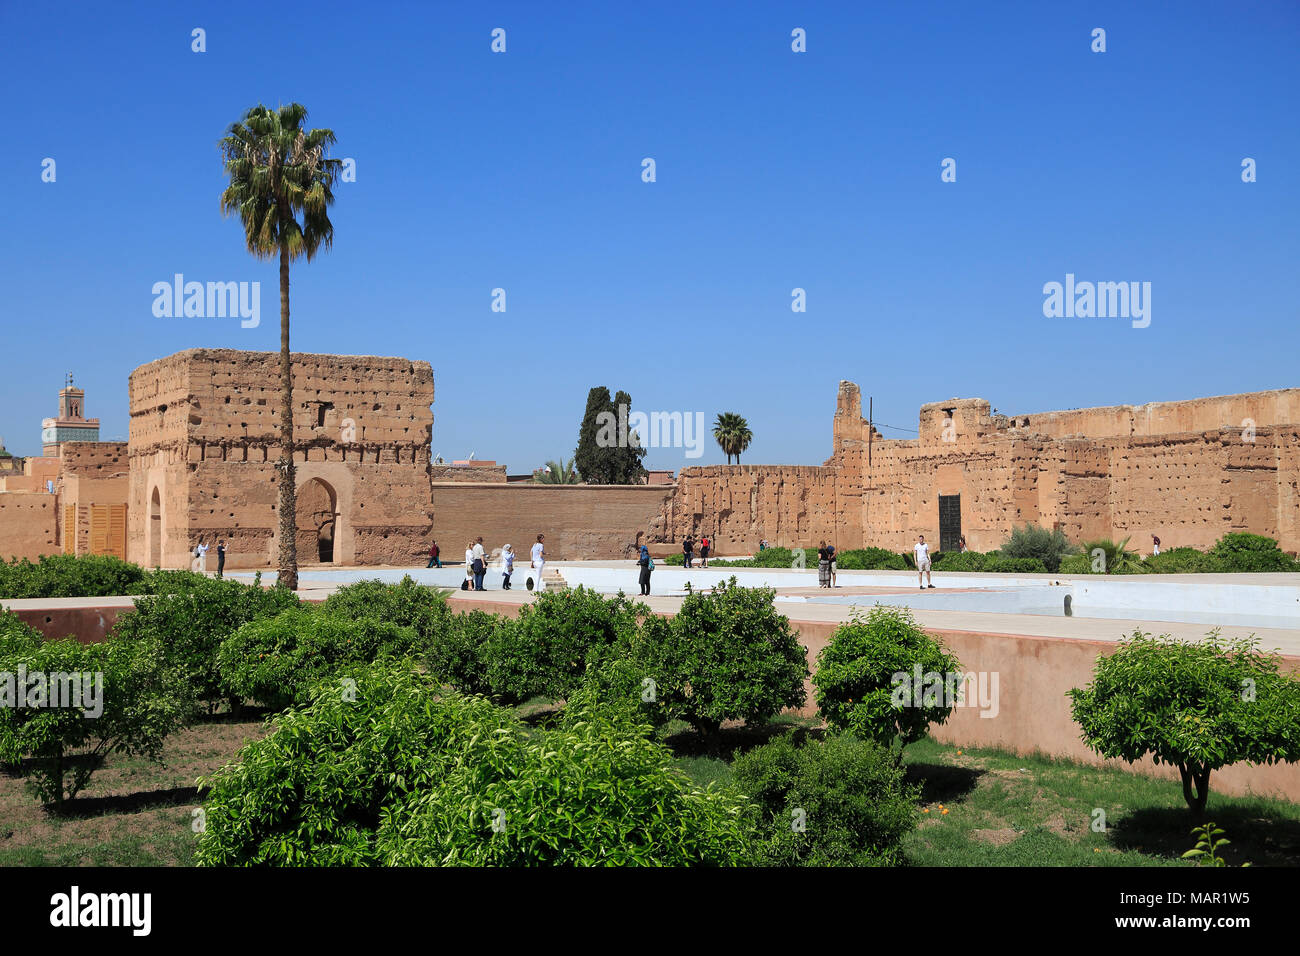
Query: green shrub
(1046, 545)
(726, 655)
(544, 651)
(1250, 552)
(1075, 564)
(128, 703)
(189, 615)
(455, 652)
(869, 559)
(618, 685)
(958, 561)
(407, 604)
(276, 661)
(1106, 557)
(677, 560)
(406, 775)
(65, 575)
(1197, 706)
(15, 636)
(838, 802)
(1180, 561)
(865, 673)
(1001, 565)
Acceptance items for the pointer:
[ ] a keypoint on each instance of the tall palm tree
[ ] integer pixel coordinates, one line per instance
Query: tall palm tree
(732, 434)
(280, 185)
(557, 473)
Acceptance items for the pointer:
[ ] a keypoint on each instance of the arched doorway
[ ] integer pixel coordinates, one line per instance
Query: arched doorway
(317, 521)
(155, 531)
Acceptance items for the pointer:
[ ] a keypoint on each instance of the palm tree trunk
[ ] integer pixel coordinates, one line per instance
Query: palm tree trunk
(288, 576)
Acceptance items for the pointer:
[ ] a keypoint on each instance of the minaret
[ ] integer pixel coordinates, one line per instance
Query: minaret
(72, 424)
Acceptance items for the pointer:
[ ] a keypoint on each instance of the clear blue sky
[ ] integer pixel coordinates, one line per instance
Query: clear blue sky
(775, 170)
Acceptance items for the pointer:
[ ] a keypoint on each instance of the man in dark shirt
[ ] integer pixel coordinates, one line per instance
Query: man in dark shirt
(221, 557)
(688, 551)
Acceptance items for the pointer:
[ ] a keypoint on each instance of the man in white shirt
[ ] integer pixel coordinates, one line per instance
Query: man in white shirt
(201, 552)
(922, 552)
(539, 561)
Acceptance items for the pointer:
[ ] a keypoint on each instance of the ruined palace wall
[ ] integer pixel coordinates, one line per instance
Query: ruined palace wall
(209, 438)
(94, 474)
(1281, 406)
(158, 455)
(789, 505)
(579, 521)
(1193, 488)
(28, 525)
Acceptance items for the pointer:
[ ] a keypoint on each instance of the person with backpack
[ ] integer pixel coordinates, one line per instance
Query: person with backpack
(704, 551)
(647, 565)
(434, 560)
(479, 564)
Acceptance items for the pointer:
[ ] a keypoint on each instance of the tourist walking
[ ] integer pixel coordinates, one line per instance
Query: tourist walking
(830, 555)
(434, 560)
(823, 567)
(507, 566)
(539, 562)
(688, 552)
(480, 564)
(647, 565)
(922, 552)
(961, 544)
(221, 558)
(469, 566)
(201, 557)
(704, 551)
(1155, 546)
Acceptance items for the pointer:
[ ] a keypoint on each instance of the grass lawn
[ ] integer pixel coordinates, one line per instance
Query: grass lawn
(1003, 810)
(133, 813)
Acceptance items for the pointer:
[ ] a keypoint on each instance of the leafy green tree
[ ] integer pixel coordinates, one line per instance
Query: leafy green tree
(281, 186)
(732, 434)
(189, 615)
(866, 679)
(557, 473)
(1046, 545)
(544, 651)
(726, 655)
(129, 703)
(277, 661)
(837, 802)
(1196, 706)
(406, 773)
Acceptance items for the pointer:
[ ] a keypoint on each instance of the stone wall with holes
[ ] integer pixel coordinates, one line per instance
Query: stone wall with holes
(29, 525)
(205, 438)
(1187, 471)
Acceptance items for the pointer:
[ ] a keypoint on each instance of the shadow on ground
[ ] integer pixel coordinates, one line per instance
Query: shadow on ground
(83, 807)
(1258, 835)
(730, 742)
(941, 782)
